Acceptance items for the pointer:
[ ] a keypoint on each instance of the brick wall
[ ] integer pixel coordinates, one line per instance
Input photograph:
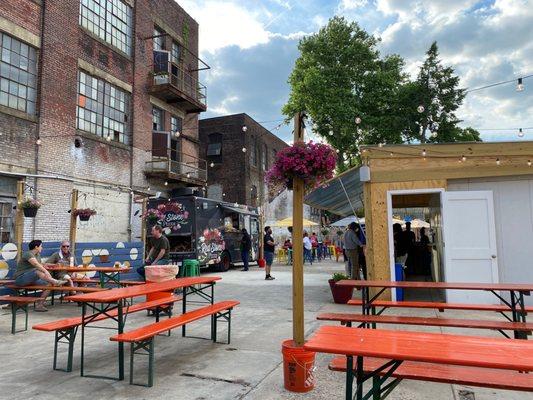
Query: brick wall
(97, 167)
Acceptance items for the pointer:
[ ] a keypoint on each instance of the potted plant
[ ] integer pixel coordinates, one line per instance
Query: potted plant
(84, 213)
(341, 294)
(30, 207)
(312, 162)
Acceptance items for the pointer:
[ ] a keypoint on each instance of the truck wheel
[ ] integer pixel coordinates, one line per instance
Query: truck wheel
(225, 262)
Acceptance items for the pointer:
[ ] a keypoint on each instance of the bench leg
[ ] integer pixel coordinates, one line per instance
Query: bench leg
(15, 307)
(214, 319)
(70, 336)
(145, 347)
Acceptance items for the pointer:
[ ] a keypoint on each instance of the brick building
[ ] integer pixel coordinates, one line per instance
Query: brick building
(238, 176)
(101, 96)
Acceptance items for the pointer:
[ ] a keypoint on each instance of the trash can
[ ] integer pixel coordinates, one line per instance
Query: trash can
(160, 273)
(398, 272)
(190, 268)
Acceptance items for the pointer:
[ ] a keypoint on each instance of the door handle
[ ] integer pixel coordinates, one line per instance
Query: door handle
(493, 256)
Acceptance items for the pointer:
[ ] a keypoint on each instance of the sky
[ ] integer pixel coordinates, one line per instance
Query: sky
(252, 45)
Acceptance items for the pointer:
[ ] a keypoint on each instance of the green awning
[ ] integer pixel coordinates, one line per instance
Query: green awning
(341, 195)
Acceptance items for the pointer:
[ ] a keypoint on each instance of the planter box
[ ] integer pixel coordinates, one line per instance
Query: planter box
(341, 294)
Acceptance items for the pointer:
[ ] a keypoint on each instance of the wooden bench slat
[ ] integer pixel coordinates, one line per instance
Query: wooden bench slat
(151, 330)
(445, 322)
(19, 299)
(97, 281)
(451, 374)
(437, 305)
(75, 321)
(58, 288)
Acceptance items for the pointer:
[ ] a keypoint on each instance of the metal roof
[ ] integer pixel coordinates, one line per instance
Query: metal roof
(341, 195)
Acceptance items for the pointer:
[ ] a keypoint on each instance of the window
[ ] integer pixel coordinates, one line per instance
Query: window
(18, 74)
(157, 119)
(6, 221)
(175, 53)
(110, 20)
(176, 124)
(159, 39)
(214, 149)
(103, 109)
(253, 152)
(253, 196)
(264, 157)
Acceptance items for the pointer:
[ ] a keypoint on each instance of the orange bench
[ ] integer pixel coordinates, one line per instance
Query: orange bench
(451, 374)
(437, 306)
(444, 322)
(67, 328)
(143, 338)
(97, 282)
(18, 303)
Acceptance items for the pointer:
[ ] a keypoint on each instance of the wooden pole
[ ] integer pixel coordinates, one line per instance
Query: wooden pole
(143, 227)
(297, 246)
(73, 221)
(19, 219)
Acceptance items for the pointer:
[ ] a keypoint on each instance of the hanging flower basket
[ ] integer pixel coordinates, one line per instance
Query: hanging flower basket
(30, 206)
(314, 163)
(84, 213)
(152, 216)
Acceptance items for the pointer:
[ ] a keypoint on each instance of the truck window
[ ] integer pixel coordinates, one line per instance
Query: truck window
(254, 225)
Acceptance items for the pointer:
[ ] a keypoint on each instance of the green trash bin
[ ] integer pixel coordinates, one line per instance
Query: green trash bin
(190, 268)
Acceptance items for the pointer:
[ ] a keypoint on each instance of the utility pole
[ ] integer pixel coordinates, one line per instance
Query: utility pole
(19, 219)
(297, 245)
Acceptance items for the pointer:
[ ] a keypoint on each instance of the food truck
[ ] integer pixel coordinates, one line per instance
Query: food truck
(203, 229)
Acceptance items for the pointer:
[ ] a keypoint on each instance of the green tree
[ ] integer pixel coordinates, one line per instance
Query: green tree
(429, 104)
(346, 88)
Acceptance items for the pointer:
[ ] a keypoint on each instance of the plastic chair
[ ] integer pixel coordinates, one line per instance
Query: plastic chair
(190, 268)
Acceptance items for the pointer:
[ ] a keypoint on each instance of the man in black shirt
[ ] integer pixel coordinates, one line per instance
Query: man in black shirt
(246, 246)
(269, 247)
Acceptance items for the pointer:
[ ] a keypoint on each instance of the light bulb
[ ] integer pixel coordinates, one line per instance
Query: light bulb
(223, 194)
(212, 164)
(244, 149)
(380, 144)
(424, 153)
(166, 183)
(177, 134)
(519, 85)
(330, 133)
(391, 154)
(108, 138)
(520, 133)
(463, 158)
(148, 188)
(39, 141)
(497, 161)
(434, 134)
(357, 120)
(420, 109)
(188, 175)
(337, 151)
(529, 163)
(244, 128)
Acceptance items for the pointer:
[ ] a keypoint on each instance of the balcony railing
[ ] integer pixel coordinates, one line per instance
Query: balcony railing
(192, 170)
(175, 85)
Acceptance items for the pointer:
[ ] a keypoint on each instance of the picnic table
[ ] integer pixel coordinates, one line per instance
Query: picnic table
(106, 274)
(516, 293)
(112, 304)
(397, 347)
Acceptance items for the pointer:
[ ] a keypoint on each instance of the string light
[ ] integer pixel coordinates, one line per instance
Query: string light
(463, 158)
(420, 109)
(177, 134)
(520, 85)
(380, 144)
(498, 161)
(166, 183)
(188, 175)
(424, 153)
(520, 133)
(39, 141)
(357, 120)
(529, 163)
(212, 164)
(244, 128)
(330, 133)
(244, 149)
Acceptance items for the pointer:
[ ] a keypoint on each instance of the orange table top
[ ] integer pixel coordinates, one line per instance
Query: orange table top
(87, 269)
(520, 287)
(510, 354)
(114, 295)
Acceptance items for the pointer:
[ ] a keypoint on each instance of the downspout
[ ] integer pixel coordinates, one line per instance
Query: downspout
(134, 49)
(40, 95)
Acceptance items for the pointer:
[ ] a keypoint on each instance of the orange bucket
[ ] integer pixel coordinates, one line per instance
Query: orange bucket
(261, 263)
(298, 367)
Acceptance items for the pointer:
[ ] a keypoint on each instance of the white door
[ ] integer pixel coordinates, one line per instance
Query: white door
(469, 244)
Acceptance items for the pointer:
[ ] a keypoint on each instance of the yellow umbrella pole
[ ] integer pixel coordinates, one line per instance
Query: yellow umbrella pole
(297, 246)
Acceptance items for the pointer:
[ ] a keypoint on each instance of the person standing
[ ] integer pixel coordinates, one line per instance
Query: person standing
(269, 248)
(400, 249)
(246, 246)
(351, 247)
(308, 247)
(159, 252)
(409, 240)
(30, 271)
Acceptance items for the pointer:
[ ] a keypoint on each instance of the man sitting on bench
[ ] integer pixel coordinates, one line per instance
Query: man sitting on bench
(63, 257)
(30, 271)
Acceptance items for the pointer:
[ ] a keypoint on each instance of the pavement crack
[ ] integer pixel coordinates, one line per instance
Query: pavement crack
(212, 378)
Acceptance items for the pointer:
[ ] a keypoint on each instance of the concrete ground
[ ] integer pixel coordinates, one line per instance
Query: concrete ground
(188, 368)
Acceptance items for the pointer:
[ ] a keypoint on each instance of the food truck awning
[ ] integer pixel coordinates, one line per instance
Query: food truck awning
(341, 195)
(239, 210)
